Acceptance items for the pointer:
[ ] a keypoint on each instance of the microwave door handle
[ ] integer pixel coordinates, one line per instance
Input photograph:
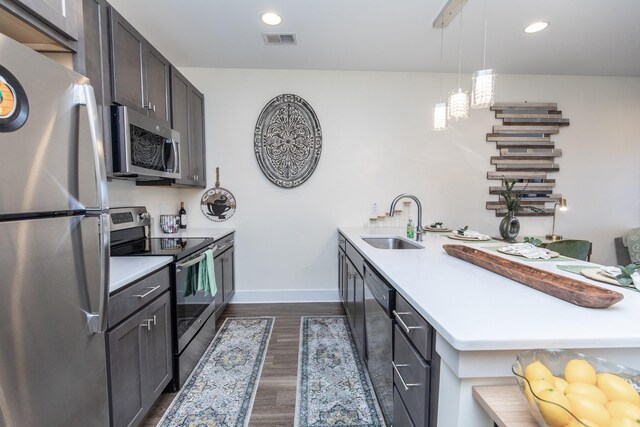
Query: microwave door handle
(176, 156)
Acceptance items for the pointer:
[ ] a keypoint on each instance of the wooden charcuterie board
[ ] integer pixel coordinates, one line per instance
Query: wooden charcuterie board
(564, 288)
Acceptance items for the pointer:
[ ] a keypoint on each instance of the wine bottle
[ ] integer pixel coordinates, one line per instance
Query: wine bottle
(183, 216)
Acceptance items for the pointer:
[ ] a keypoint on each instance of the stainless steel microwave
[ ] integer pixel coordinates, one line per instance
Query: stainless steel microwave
(142, 147)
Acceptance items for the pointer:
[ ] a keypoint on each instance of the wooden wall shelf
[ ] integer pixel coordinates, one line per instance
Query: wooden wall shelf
(526, 154)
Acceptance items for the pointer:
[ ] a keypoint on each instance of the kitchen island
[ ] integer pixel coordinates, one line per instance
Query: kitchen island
(483, 320)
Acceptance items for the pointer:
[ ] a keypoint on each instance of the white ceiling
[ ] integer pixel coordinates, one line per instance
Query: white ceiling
(585, 37)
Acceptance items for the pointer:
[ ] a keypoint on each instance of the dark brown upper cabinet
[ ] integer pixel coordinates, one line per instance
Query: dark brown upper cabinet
(96, 66)
(61, 15)
(187, 117)
(140, 74)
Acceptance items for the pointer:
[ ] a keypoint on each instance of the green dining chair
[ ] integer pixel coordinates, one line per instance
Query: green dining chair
(578, 249)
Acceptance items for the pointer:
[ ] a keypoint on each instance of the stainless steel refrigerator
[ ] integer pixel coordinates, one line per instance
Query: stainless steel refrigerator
(54, 245)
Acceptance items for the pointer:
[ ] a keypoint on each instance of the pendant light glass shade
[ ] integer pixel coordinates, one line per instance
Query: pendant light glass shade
(483, 88)
(440, 116)
(458, 105)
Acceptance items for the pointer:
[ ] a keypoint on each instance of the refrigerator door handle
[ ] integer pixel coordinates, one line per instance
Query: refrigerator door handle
(99, 325)
(88, 98)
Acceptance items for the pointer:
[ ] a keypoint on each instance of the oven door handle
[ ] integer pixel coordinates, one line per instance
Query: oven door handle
(192, 261)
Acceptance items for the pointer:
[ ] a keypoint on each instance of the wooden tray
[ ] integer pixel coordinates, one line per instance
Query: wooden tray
(564, 288)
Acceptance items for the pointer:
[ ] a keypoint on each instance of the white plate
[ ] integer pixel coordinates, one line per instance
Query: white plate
(599, 275)
(552, 254)
(437, 230)
(467, 238)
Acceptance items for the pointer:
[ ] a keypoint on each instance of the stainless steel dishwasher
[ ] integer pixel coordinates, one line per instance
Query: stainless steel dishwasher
(379, 305)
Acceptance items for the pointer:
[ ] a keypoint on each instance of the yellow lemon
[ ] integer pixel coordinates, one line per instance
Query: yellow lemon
(587, 390)
(537, 386)
(560, 384)
(623, 422)
(583, 422)
(554, 415)
(623, 409)
(584, 407)
(615, 388)
(580, 371)
(537, 371)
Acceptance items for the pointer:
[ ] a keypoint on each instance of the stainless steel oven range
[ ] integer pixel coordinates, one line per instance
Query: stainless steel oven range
(192, 310)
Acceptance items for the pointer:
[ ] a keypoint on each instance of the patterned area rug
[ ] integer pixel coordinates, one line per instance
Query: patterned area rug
(222, 387)
(333, 386)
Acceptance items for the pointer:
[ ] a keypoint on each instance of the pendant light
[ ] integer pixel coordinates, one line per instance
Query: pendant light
(459, 99)
(483, 82)
(440, 109)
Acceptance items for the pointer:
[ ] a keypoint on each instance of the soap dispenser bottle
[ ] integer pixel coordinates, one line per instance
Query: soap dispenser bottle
(410, 229)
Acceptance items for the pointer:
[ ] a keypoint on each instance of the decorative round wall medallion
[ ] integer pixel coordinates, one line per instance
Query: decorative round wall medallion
(218, 204)
(14, 105)
(287, 140)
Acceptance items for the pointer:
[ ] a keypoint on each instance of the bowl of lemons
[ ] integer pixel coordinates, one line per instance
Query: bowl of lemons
(569, 389)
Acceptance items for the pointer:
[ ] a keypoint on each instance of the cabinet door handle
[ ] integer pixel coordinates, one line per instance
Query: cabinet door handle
(404, 326)
(154, 320)
(146, 323)
(404, 384)
(150, 291)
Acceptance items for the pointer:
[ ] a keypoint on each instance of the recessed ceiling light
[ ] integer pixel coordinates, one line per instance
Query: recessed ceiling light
(271, 18)
(535, 27)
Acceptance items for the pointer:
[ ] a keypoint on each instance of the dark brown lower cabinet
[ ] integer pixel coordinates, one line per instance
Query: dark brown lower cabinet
(401, 416)
(355, 305)
(139, 362)
(225, 276)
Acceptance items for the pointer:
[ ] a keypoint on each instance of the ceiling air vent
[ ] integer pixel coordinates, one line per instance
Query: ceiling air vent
(279, 38)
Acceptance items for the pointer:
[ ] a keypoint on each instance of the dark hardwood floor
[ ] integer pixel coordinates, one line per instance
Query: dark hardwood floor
(276, 396)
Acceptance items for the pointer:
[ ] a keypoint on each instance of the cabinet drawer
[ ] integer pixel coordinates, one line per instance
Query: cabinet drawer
(342, 242)
(356, 258)
(401, 416)
(414, 326)
(135, 296)
(411, 378)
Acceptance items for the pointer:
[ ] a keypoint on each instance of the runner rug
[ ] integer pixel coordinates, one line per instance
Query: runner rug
(222, 387)
(333, 386)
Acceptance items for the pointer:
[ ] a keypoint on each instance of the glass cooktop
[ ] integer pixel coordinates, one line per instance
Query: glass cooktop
(157, 246)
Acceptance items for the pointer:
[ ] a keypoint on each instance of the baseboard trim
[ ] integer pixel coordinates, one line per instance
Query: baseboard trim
(276, 296)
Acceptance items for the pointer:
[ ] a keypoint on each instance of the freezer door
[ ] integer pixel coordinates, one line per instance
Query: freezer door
(52, 364)
(51, 155)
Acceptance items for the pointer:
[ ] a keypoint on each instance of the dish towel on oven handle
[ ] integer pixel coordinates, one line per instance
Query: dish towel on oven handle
(207, 275)
(192, 280)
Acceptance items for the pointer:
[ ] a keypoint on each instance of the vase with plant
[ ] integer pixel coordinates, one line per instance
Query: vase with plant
(510, 224)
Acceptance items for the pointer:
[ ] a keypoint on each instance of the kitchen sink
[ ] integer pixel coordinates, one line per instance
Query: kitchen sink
(391, 243)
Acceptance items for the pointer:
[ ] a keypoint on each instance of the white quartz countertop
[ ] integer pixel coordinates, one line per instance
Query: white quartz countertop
(213, 233)
(475, 309)
(126, 269)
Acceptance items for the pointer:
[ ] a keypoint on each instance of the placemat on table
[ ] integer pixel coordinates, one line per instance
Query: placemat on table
(576, 269)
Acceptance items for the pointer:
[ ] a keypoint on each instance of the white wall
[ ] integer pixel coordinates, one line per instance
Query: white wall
(378, 142)
(158, 200)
